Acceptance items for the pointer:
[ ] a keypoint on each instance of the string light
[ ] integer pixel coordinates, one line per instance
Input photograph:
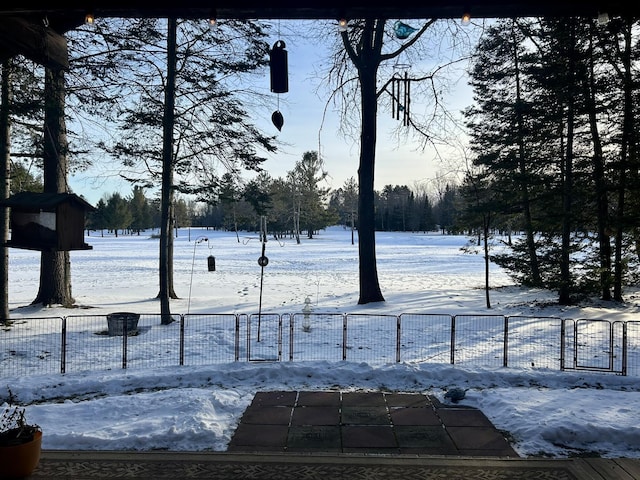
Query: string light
(343, 24)
(213, 19)
(603, 18)
(466, 18)
(89, 18)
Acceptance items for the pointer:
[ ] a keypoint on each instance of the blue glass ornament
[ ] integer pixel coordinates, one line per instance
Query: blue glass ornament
(403, 30)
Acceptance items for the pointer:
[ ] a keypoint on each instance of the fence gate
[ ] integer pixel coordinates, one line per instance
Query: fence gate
(264, 337)
(596, 345)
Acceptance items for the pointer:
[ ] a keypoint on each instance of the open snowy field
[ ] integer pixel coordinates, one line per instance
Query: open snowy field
(545, 411)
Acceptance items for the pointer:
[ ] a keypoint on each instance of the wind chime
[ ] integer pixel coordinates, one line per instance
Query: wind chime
(401, 97)
(278, 64)
(401, 85)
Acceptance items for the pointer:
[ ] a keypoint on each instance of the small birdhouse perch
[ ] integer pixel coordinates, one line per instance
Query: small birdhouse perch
(47, 221)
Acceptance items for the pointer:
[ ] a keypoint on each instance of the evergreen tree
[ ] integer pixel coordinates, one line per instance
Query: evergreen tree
(140, 210)
(502, 128)
(307, 175)
(117, 213)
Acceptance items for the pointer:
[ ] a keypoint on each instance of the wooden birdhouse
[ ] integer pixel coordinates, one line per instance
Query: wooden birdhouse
(47, 221)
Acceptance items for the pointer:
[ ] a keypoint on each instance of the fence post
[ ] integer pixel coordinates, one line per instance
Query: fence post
(398, 333)
(280, 337)
(344, 337)
(291, 329)
(505, 354)
(125, 335)
(453, 339)
(624, 348)
(237, 338)
(248, 324)
(563, 344)
(182, 322)
(63, 346)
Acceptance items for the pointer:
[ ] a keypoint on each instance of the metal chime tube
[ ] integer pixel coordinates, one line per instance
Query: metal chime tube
(407, 99)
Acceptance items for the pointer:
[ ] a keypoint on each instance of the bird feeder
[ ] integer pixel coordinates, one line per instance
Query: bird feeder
(47, 221)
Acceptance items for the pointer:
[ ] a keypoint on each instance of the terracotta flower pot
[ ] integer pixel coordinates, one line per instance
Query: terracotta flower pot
(19, 461)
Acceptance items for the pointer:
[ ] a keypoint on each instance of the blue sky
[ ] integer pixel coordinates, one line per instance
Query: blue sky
(308, 126)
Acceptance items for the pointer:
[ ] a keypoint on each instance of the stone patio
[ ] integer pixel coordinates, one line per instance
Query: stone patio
(365, 422)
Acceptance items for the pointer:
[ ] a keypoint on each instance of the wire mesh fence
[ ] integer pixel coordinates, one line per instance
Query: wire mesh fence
(76, 343)
(425, 337)
(533, 342)
(31, 346)
(212, 338)
(316, 337)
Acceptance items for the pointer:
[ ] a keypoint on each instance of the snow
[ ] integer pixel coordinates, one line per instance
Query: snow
(545, 411)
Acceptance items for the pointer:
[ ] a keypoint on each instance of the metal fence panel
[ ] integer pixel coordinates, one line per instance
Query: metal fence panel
(534, 342)
(321, 339)
(633, 348)
(154, 344)
(89, 345)
(31, 346)
(593, 344)
(211, 338)
(264, 337)
(425, 337)
(479, 340)
(618, 348)
(371, 338)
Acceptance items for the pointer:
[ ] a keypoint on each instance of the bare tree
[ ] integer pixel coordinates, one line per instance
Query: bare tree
(366, 46)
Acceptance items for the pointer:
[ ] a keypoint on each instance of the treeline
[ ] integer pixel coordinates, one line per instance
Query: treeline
(555, 139)
(296, 203)
(398, 208)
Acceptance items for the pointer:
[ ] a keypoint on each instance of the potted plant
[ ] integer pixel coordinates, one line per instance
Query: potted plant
(20, 441)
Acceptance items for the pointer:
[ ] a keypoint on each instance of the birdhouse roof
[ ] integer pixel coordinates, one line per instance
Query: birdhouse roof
(45, 201)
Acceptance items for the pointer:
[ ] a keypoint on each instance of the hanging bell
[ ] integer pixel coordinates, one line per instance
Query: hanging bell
(277, 119)
(279, 68)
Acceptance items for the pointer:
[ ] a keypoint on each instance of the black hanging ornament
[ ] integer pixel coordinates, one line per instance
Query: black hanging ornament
(279, 68)
(277, 119)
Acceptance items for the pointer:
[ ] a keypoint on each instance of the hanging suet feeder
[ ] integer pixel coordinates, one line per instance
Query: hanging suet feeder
(279, 68)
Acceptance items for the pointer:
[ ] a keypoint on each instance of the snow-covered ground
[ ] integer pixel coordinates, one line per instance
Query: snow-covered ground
(546, 411)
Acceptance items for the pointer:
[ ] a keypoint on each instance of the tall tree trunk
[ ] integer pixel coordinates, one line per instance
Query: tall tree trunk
(486, 222)
(55, 267)
(369, 283)
(4, 188)
(525, 198)
(627, 158)
(173, 228)
(564, 294)
(166, 194)
(602, 202)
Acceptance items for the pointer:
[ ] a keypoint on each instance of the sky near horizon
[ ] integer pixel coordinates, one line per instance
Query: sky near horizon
(311, 123)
